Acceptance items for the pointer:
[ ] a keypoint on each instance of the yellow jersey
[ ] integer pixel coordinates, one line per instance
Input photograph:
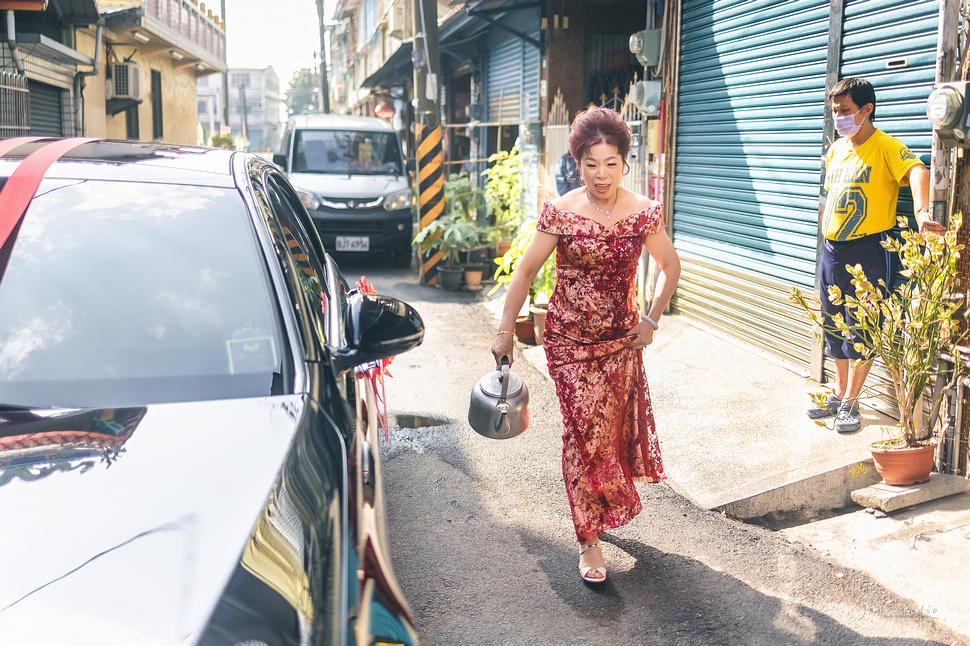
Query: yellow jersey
(863, 185)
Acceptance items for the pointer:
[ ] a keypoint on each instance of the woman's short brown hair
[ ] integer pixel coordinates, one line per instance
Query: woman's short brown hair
(598, 126)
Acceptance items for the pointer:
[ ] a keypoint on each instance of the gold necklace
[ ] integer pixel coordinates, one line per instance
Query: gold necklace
(609, 210)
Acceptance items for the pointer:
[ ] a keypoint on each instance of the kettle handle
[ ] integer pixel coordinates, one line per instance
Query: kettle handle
(505, 379)
(503, 406)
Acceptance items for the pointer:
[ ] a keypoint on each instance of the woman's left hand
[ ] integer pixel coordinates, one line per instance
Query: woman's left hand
(640, 335)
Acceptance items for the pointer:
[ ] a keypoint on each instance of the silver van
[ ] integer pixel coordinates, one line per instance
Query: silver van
(351, 175)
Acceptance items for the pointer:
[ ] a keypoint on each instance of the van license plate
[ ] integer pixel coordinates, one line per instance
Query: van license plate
(353, 243)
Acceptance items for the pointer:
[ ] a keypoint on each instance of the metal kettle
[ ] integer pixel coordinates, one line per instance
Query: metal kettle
(499, 407)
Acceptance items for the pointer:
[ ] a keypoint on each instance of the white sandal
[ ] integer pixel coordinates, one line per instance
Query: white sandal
(585, 571)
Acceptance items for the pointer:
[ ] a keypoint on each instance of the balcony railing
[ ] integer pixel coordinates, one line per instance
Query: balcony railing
(187, 20)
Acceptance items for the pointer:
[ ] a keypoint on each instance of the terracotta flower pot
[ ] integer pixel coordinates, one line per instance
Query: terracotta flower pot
(473, 277)
(524, 331)
(538, 321)
(904, 466)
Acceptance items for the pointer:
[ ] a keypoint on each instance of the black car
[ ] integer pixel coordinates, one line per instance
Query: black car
(188, 427)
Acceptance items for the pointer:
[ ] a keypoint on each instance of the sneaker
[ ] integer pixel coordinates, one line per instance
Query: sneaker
(832, 404)
(848, 419)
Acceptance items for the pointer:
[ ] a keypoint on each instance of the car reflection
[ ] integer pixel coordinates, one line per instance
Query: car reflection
(35, 444)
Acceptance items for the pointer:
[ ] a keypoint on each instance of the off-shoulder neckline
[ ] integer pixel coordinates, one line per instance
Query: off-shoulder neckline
(612, 226)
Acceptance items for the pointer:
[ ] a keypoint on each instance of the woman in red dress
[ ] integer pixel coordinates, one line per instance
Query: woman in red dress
(595, 332)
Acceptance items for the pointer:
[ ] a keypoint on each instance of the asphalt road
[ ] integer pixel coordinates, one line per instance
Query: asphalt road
(484, 548)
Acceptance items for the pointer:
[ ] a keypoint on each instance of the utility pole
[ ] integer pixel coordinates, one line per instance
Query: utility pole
(324, 79)
(425, 59)
(225, 77)
(244, 115)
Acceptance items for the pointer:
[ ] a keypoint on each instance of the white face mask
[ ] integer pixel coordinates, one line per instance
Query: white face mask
(846, 125)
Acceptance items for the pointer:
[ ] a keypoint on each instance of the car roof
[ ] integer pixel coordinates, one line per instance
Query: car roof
(132, 161)
(338, 122)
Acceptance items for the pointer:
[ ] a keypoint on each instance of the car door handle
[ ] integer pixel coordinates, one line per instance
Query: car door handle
(367, 475)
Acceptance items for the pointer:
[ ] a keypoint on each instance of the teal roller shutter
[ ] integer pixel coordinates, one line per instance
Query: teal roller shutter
(749, 140)
(751, 97)
(893, 44)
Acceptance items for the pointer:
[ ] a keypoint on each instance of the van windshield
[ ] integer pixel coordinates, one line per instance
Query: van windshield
(343, 152)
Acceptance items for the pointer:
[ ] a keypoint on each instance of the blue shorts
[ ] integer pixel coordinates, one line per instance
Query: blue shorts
(877, 263)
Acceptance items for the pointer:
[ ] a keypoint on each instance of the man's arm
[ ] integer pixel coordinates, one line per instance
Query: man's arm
(919, 180)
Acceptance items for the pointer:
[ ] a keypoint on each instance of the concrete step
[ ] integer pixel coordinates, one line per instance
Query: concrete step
(890, 498)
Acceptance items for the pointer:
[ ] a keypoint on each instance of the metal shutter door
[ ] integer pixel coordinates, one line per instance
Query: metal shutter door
(513, 75)
(45, 110)
(530, 77)
(893, 44)
(748, 144)
(504, 81)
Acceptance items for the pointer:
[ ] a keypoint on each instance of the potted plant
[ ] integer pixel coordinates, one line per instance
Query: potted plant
(503, 197)
(541, 292)
(449, 235)
(542, 285)
(909, 328)
(462, 198)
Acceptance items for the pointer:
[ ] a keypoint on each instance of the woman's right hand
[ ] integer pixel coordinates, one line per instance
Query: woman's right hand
(503, 348)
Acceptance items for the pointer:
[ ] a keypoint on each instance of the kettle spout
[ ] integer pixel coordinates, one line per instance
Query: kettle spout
(502, 424)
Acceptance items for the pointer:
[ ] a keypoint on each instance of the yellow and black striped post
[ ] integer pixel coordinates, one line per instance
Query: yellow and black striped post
(431, 192)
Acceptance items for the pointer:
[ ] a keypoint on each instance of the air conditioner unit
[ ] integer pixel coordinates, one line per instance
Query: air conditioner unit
(125, 81)
(395, 21)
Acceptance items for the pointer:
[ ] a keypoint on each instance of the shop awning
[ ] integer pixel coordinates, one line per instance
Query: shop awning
(396, 70)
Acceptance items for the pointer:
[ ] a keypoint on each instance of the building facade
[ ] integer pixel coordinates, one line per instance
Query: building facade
(208, 92)
(254, 107)
(43, 66)
(121, 69)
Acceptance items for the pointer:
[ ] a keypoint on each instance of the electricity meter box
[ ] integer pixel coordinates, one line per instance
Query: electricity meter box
(947, 110)
(646, 45)
(646, 96)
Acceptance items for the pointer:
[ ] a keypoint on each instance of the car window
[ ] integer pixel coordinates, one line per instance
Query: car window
(346, 151)
(123, 293)
(292, 237)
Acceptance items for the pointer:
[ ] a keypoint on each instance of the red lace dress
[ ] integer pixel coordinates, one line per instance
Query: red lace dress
(610, 438)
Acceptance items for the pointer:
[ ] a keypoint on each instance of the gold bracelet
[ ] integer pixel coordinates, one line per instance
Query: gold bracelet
(505, 332)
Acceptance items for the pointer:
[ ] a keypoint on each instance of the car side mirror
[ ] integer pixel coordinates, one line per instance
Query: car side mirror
(280, 160)
(412, 165)
(377, 327)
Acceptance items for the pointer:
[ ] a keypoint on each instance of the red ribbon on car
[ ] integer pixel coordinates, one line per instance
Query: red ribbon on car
(377, 372)
(22, 185)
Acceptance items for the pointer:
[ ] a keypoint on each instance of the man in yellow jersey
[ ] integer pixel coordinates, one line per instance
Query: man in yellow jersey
(864, 169)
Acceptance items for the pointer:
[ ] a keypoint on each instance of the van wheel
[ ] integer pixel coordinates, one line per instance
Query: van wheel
(402, 258)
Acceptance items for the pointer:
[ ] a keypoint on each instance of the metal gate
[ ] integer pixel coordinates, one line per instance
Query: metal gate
(14, 105)
(750, 109)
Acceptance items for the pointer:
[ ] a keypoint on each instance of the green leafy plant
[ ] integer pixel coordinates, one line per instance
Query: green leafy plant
(462, 197)
(503, 191)
(449, 234)
(545, 280)
(908, 328)
(221, 141)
